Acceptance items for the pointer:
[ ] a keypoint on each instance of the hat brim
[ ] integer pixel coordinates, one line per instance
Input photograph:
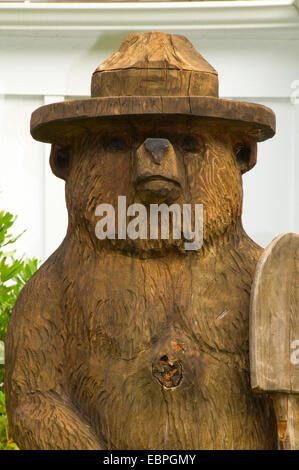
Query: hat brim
(56, 122)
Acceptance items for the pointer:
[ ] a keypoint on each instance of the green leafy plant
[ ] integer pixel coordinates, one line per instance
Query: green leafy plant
(6, 443)
(14, 273)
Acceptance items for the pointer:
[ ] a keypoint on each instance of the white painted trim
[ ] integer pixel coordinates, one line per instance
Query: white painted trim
(149, 15)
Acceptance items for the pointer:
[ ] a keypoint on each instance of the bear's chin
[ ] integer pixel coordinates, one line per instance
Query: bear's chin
(144, 248)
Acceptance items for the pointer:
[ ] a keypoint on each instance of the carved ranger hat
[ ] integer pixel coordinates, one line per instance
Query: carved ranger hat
(151, 74)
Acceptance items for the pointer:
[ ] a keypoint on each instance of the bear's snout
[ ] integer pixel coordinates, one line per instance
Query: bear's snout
(157, 174)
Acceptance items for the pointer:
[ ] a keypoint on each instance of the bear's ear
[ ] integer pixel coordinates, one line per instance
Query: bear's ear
(246, 153)
(60, 161)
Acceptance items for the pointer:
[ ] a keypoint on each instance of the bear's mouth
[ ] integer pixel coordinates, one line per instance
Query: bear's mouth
(144, 179)
(155, 189)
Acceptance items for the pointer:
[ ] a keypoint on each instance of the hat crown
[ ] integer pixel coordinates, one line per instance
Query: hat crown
(155, 64)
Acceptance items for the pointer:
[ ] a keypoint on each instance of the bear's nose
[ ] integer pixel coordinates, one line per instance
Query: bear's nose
(157, 148)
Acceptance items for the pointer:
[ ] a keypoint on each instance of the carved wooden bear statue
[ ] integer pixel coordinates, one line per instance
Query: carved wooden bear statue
(139, 343)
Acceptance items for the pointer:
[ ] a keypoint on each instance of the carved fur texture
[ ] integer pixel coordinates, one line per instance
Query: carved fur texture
(122, 344)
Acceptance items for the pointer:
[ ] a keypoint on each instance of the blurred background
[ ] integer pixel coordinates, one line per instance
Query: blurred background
(48, 52)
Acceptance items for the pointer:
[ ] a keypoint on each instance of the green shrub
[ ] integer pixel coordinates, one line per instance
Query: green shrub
(14, 273)
(6, 443)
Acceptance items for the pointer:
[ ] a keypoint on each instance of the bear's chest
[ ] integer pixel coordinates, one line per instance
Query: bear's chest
(129, 305)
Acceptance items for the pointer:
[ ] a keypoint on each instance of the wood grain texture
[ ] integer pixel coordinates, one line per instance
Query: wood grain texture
(152, 64)
(55, 122)
(156, 50)
(138, 344)
(286, 408)
(275, 317)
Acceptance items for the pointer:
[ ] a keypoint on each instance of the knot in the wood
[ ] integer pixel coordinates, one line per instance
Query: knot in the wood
(169, 373)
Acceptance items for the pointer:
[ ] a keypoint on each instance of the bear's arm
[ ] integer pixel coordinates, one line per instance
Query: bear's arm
(40, 414)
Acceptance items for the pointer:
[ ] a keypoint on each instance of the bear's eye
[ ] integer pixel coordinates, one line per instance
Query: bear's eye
(192, 144)
(62, 158)
(116, 144)
(242, 152)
